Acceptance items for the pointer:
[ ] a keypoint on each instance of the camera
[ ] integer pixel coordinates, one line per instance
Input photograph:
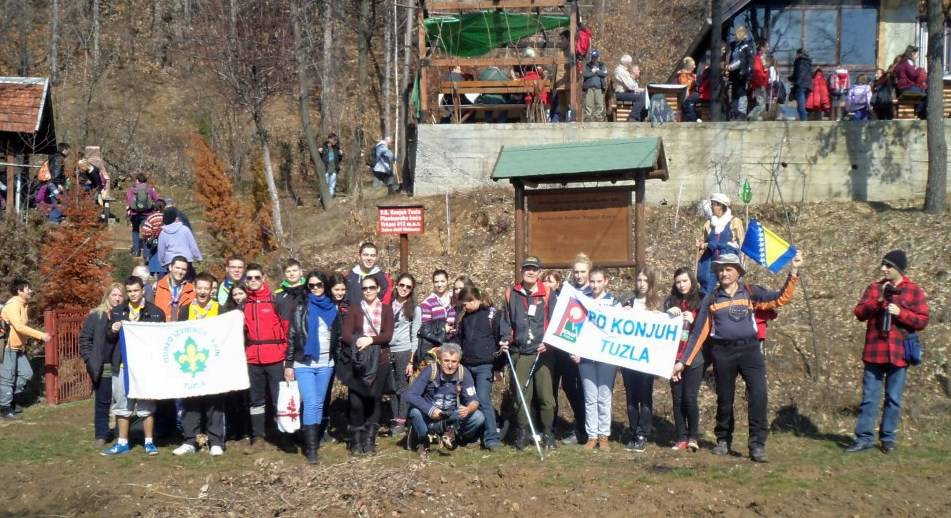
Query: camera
(887, 292)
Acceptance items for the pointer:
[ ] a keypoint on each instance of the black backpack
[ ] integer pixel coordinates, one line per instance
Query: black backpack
(369, 158)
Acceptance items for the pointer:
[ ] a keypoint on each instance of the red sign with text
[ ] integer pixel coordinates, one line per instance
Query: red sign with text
(400, 220)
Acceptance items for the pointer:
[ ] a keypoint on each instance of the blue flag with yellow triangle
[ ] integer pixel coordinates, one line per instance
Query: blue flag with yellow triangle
(766, 248)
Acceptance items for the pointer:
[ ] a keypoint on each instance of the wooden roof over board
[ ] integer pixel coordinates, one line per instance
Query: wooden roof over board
(26, 115)
(588, 161)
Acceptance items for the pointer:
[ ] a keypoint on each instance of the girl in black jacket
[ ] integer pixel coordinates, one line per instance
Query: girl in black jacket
(100, 355)
(478, 334)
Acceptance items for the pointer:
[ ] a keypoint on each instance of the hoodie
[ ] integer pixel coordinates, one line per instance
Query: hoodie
(354, 288)
(177, 239)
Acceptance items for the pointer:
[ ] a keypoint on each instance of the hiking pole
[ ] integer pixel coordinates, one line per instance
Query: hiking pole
(528, 413)
(531, 371)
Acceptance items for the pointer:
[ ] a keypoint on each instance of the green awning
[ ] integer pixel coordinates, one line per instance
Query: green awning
(583, 161)
(475, 34)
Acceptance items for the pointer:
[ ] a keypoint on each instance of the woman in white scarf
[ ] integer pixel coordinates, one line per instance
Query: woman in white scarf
(721, 234)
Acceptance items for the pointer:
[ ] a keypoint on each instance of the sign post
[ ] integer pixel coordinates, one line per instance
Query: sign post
(401, 220)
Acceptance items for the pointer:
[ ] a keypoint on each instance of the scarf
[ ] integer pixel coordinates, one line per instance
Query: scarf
(320, 308)
(196, 312)
(286, 285)
(372, 317)
(717, 224)
(134, 311)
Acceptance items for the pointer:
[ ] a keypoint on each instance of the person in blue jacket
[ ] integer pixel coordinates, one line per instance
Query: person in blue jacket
(722, 234)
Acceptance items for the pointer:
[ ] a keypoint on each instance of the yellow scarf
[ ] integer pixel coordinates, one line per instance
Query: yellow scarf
(196, 312)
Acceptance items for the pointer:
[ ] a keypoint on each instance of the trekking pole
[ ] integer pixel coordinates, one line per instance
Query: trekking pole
(531, 371)
(528, 413)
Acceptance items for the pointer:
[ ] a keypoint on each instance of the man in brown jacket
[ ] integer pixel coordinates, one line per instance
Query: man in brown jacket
(15, 370)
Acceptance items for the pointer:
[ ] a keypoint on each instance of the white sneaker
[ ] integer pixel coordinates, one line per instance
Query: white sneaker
(216, 451)
(183, 449)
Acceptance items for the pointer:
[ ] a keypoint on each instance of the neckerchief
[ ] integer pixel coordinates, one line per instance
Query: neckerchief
(196, 312)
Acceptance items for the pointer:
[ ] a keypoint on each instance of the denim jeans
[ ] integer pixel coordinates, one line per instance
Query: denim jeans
(313, 382)
(597, 378)
(801, 102)
(15, 373)
(894, 380)
(482, 375)
(137, 220)
(102, 391)
(469, 427)
(332, 181)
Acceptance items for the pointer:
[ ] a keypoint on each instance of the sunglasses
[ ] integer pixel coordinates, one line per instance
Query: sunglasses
(313, 285)
(254, 277)
(370, 288)
(405, 286)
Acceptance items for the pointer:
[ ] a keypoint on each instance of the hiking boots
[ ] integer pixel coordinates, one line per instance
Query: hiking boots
(448, 438)
(549, 441)
(522, 438)
(311, 442)
(591, 444)
(722, 448)
(638, 444)
(603, 443)
(357, 440)
(369, 444)
(758, 454)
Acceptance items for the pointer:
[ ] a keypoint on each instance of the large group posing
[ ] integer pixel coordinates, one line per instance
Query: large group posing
(437, 357)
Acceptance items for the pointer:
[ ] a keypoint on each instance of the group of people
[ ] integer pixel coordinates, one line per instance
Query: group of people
(439, 356)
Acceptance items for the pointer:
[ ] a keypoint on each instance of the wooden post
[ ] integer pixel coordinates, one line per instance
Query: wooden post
(404, 253)
(423, 76)
(640, 221)
(10, 184)
(519, 229)
(573, 94)
(51, 373)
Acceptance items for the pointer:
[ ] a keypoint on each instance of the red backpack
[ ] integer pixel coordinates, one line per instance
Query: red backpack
(583, 41)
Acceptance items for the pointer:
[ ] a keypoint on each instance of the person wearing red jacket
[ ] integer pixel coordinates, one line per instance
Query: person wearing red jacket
(759, 82)
(892, 308)
(265, 346)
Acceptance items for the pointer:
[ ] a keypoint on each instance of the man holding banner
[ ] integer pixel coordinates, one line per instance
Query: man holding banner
(137, 310)
(727, 325)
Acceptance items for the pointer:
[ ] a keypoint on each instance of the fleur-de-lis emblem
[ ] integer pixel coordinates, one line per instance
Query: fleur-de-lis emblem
(192, 360)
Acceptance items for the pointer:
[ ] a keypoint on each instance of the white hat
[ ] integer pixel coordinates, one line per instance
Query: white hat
(720, 198)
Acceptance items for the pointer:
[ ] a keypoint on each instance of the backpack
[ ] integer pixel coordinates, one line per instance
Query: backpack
(43, 175)
(779, 92)
(583, 41)
(660, 111)
(370, 158)
(839, 82)
(141, 201)
(857, 99)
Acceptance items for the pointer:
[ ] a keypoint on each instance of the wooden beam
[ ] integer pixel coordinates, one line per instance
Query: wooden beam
(573, 93)
(458, 6)
(519, 229)
(499, 61)
(640, 221)
(10, 184)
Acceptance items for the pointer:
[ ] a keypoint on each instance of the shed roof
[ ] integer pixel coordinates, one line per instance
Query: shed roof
(26, 115)
(583, 161)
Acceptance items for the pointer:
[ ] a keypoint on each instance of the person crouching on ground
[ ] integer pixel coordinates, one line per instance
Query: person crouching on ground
(726, 323)
(892, 307)
(478, 333)
(443, 401)
(312, 342)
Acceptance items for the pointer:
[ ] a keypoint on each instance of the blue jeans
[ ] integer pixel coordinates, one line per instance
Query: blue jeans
(469, 427)
(801, 102)
(15, 373)
(313, 382)
(894, 378)
(137, 220)
(482, 375)
(332, 181)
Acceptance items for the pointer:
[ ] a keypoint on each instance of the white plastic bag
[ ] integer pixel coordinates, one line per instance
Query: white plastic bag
(288, 407)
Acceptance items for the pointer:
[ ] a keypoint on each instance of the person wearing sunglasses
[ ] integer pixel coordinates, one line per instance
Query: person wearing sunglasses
(265, 346)
(407, 319)
(360, 362)
(312, 342)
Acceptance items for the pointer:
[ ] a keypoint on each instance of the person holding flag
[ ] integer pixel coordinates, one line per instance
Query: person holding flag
(726, 324)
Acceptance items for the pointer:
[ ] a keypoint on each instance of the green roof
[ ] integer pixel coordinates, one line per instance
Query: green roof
(579, 161)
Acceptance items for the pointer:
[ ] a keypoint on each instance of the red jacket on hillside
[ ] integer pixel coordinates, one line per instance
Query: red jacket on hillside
(265, 332)
(818, 100)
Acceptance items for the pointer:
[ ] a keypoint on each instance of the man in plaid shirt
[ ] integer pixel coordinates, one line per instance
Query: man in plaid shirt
(892, 307)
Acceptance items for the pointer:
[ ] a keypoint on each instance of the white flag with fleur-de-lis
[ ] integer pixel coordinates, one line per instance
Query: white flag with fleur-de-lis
(184, 359)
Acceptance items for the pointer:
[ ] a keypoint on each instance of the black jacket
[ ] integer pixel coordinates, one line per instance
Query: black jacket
(150, 313)
(297, 336)
(516, 323)
(741, 60)
(323, 151)
(479, 336)
(286, 300)
(94, 345)
(802, 73)
(56, 169)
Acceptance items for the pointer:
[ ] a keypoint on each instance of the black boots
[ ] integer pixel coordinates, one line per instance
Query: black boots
(357, 440)
(369, 446)
(522, 438)
(311, 442)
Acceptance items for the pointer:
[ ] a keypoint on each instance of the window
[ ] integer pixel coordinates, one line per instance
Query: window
(923, 45)
(834, 32)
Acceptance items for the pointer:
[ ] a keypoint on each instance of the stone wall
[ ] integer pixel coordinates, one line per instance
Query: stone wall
(811, 161)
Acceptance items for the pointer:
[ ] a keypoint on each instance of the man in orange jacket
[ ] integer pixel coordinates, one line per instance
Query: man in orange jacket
(15, 370)
(173, 292)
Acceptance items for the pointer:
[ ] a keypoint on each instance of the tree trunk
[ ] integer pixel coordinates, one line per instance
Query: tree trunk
(54, 38)
(936, 190)
(269, 178)
(387, 70)
(328, 90)
(716, 39)
(24, 22)
(287, 172)
(363, 51)
(95, 34)
(303, 83)
(406, 83)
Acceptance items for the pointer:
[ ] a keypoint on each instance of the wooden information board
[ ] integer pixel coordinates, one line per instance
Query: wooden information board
(564, 222)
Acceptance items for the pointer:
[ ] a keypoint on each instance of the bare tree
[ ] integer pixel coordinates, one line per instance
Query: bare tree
(387, 69)
(303, 83)
(54, 38)
(936, 189)
(24, 23)
(716, 40)
(94, 7)
(363, 50)
(328, 87)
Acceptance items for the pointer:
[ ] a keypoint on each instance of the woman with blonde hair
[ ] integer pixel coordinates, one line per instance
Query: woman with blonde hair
(100, 354)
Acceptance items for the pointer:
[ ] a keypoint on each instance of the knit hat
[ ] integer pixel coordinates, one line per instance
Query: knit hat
(720, 198)
(896, 259)
(728, 260)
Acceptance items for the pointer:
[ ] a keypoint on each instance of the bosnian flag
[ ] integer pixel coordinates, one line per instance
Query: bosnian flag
(766, 248)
